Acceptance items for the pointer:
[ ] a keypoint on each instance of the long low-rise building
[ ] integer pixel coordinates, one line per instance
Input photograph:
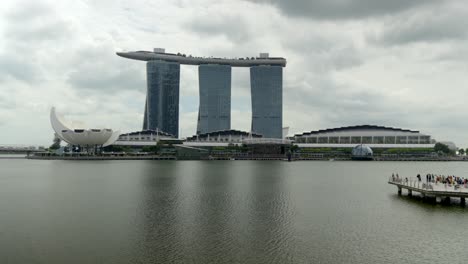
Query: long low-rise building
(143, 138)
(223, 136)
(374, 136)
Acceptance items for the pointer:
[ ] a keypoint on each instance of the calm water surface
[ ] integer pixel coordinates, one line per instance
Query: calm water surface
(223, 212)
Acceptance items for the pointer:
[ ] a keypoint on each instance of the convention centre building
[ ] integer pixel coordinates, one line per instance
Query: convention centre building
(370, 135)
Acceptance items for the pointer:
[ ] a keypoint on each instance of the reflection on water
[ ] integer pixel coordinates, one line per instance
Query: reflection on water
(222, 212)
(213, 212)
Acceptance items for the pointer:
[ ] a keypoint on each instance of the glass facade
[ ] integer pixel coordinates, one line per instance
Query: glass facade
(214, 113)
(267, 100)
(162, 99)
(145, 118)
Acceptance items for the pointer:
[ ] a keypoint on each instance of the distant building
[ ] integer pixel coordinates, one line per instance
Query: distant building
(214, 113)
(162, 99)
(143, 138)
(362, 152)
(373, 136)
(162, 104)
(267, 100)
(224, 136)
(80, 136)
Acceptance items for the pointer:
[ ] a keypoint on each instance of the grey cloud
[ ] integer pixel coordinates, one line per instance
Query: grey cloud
(33, 34)
(28, 30)
(16, 67)
(456, 53)
(34, 23)
(343, 9)
(103, 71)
(36, 28)
(435, 25)
(339, 105)
(28, 10)
(319, 51)
(99, 79)
(233, 27)
(334, 57)
(5, 103)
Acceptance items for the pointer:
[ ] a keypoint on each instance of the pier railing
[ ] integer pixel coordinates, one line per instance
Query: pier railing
(428, 185)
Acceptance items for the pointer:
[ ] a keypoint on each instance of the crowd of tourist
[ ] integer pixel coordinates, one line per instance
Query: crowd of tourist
(451, 179)
(434, 178)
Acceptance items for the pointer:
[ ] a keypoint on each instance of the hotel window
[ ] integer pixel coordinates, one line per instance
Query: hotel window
(366, 140)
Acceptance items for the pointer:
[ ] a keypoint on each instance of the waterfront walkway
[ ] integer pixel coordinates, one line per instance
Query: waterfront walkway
(83, 157)
(431, 190)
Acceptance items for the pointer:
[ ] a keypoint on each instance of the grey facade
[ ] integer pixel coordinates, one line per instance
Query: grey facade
(145, 118)
(267, 100)
(214, 113)
(162, 101)
(364, 134)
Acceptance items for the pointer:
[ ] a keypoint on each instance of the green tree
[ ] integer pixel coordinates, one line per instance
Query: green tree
(294, 148)
(461, 152)
(442, 148)
(151, 149)
(56, 143)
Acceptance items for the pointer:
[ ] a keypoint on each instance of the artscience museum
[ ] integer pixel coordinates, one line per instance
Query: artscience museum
(89, 138)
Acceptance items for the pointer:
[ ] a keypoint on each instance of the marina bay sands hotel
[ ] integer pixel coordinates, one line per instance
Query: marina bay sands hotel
(163, 80)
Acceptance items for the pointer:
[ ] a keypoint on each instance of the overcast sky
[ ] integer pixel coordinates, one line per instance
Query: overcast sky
(396, 63)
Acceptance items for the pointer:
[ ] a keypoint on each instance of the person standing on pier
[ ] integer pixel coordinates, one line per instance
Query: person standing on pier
(419, 177)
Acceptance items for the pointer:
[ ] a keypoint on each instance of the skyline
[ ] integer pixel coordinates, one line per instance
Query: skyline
(368, 62)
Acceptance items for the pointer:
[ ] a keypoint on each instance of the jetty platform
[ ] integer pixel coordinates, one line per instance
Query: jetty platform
(431, 190)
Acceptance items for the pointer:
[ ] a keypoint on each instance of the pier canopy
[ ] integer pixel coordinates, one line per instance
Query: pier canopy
(159, 54)
(80, 136)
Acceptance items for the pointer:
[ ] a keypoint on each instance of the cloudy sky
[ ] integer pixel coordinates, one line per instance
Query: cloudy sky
(396, 63)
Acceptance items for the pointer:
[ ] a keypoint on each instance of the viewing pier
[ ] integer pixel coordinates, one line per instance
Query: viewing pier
(431, 190)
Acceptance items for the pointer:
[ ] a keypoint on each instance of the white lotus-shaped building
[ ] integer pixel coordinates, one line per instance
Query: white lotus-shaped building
(80, 136)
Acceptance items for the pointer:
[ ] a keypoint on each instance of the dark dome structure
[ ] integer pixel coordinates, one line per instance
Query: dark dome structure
(362, 152)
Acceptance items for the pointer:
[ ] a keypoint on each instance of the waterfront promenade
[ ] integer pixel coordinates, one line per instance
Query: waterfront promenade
(83, 157)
